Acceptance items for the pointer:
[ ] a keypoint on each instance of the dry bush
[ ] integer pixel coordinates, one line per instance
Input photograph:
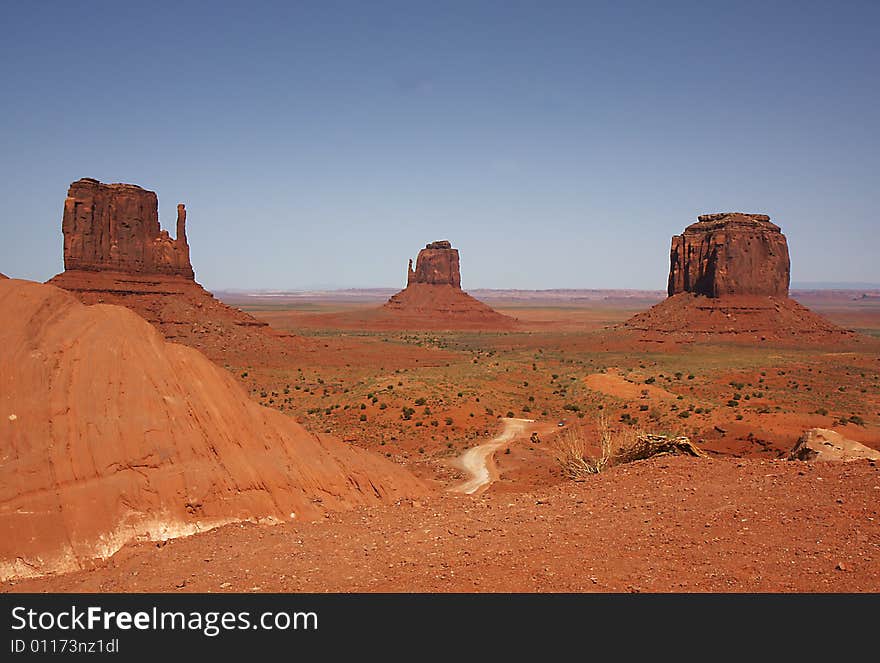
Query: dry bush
(616, 447)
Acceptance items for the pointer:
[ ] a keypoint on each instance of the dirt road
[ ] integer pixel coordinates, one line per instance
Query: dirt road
(478, 462)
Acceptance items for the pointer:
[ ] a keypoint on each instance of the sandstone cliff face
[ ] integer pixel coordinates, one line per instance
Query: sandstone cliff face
(116, 253)
(110, 434)
(436, 264)
(730, 254)
(116, 227)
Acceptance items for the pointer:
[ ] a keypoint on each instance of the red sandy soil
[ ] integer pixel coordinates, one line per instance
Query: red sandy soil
(666, 524)
(110, 434)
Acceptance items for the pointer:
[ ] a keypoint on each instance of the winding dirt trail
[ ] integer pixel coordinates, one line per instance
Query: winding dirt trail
(478, 462)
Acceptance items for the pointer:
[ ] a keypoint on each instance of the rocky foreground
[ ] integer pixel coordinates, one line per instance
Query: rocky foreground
(665, 524)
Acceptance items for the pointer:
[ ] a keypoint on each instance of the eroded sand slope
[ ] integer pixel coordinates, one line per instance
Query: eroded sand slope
(109, 434)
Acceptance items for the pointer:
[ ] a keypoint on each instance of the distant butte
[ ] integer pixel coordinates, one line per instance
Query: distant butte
(433, 296)
(437, 264)
(115, 252)
(729, 278)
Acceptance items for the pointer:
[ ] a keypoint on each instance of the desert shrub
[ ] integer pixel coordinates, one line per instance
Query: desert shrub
(420, 401)
(572, 451)
(363, 417)
(616, 447)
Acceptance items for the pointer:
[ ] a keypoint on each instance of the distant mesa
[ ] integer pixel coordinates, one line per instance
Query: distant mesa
(433, 297)
(115, 252)
(164, 444)
(729, 278)
(3, 276)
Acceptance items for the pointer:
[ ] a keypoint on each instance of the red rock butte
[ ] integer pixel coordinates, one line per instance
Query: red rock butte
(116, 252)
(436, 264)
(433, 297)
(164, 444)
(728, 278)
(730, 254)
(115, 227)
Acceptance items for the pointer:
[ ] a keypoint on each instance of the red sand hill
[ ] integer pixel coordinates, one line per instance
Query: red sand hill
(110, 434)
(116, 253)
(728, 279)
(433, 297)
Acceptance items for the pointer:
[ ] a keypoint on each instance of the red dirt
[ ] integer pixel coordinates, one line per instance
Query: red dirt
(667, 524)
(111, 434)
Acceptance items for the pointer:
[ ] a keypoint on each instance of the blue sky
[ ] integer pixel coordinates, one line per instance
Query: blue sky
(556, 144)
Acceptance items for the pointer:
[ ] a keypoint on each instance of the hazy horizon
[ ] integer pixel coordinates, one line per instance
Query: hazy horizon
(557, 145)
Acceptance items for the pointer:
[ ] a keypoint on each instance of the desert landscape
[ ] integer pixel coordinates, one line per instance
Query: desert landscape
(722, 435)
(306, 303)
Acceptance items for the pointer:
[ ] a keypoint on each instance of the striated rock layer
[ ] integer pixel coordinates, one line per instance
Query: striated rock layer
(728, 279)
(110, 434)
(730, 254)
(116, 253)
(433, 298)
